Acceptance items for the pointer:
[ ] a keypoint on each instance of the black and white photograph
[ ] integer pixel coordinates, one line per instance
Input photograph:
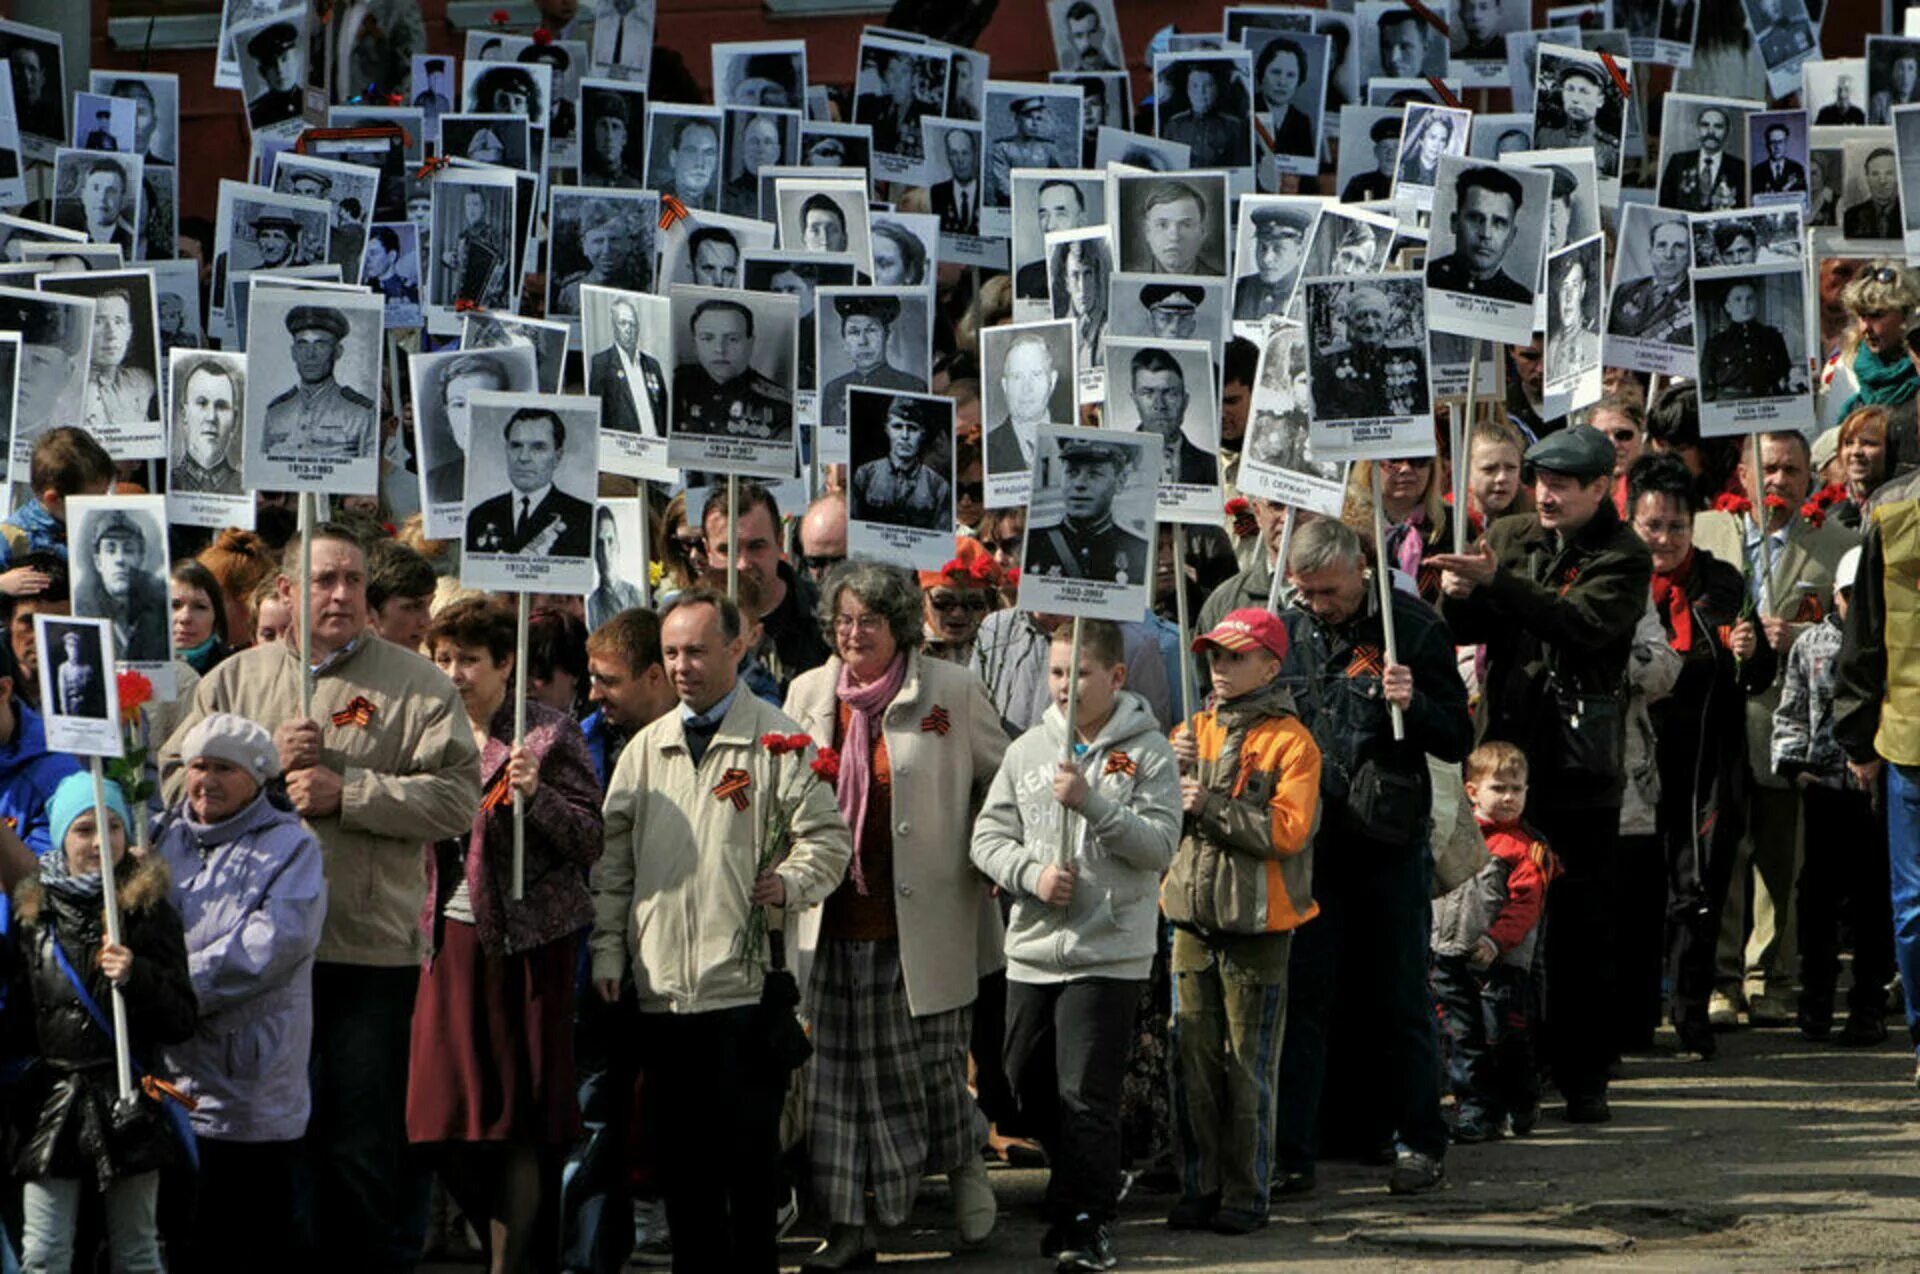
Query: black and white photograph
(1090, 524)
(260, 229)
(158, 237)
(441, 387)
(799, 275)
(824, 144)
(99, 193)
(431, 79)
(1137, 150)
(473, 245)
(1485, 249)
(1269, 249)
(1428, 134)
(1477, 41)
(524, 89)
(1168, 309)
(1578, 104)
(824, 214)
(1079, 282)
(1276, 457)
(121, 406)
(548, 341)
(564, 62)
(117, 556)
(1027, 126)
(1870, 188)
(1906, 144)
(1086, 35)
(532, 474)
(73, 258)
(1785, 38)
(207, 402)
(390, 265)
(599, 238)
(1367, 364)
(706, 248)
(1650, 311)
(351, 192)
(1576, 282)
(176, 287)
(1523, 61)
(1171, 223)
(56, 346)
(683, 154)
(1679, 24)
(1103, 104)
(1834, 91)
(1347, 241)
(318, 276)
(1777, 140)
(900, 477)
(757, 138)
(1206, 102)
(1164, 389)
(1367, 166)
(1703, 164)
(1494, 137)
(733, 382)
(905, 249)
(1573, 201)
(488, 137)
(1289, 102)
(272, 57)
(36, 63)
(102, 122)
(623, 39)
(1397, 43)
(1746, 236)
(313, 370)
(79, 697)
(236, 13)
(954, 184)
(627, 342)
(13, 167)
(1047, 203)
(966, 84)
(899, 82)
(619, 558)
(1027, 382)
(613, 134)
(769, 73)
(1750, 325)
(876, 337)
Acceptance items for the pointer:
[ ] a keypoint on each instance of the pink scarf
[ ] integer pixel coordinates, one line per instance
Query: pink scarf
(1406, 544)
(864, 705)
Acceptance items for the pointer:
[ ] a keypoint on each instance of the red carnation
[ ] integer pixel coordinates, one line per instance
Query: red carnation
(983, 569)
(135, 690)
(1776, 502)
(954, 566)
(827, 765)
(1733, 503)
(774, 743)
(798, 742)
(1814, 513)
(498, 17)
(542, 36)
(1013, 577)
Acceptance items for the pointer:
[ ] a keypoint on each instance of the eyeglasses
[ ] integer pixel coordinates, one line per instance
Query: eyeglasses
(1009, 546)
(818, 562)
(976, 603)
(975, 491)
(867, 624)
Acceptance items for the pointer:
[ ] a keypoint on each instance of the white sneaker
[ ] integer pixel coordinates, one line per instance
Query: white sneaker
(652, 1240)
(1722, 1013)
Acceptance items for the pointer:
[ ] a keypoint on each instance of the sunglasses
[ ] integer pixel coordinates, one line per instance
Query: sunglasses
(947, 605)
(822, 562)
(975, 491)
(1623, 435)
(1009, 547)
(691, 543)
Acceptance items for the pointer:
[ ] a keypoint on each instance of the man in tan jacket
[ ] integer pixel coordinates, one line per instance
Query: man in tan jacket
(686, 816)
(385, 764)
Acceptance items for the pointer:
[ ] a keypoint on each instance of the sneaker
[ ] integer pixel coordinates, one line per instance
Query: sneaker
(1290, 1185)
(1193, 1212)
(652, 1240)
(1863, 1030)
(1473, 1127)
(847, 1247)
(1723, 1013)
(1588, 1108)
(1238, 1221)
(1088, 1248)
(1415, 1173)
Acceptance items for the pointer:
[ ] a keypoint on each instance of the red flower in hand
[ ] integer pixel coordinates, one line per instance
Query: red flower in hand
(1814, 512)
(827, 765)
(1732, 503)
(798, 742)
(135, 690)
(1776, 502)
(1013, 577)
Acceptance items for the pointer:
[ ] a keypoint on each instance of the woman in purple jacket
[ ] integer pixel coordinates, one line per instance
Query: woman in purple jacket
(248, 884)
(491, 1085)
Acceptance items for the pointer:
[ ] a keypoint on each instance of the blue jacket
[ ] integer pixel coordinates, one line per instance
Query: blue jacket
(28, 775)
(252, 896)
(31, 529)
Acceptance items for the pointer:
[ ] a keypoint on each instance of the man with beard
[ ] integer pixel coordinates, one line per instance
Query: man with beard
(1027, 378)
(1583, 92)
(275, 51)
(1486, 203)
(1173, 226)
(1878, 215)
(900, 488)
(1059, 205)
(203, 427)
(117, 395)
(720, 393)
(1658, 307)
(627, 380)
(1709, 176)
(1087, 543)
(608, 130)
(1159, 391)
(119, 588)
(693, 163)
(1278, 242)
(866, 324)
(609, 244)
(319, 418)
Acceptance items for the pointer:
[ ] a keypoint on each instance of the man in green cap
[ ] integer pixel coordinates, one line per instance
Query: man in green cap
(1555, 595)
(1087, 543)
(866, 324)
(319, 418)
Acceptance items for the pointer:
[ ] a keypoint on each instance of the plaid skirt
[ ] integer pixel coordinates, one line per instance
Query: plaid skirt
(888, 1100)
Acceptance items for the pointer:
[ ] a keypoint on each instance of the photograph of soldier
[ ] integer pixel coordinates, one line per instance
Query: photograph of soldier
(954, 164)
(350, 192)
(441, 388)
(798, 275)
(902, 459)
(1578, 106)
(317, 418)
(733, 381)
(1779, 139)
(599, 237)
(1479, 34)
(1486, 247)
(1348, 242)
(683, 154)
(1397, 43)
(487, 139)
(1165, 390)
(1028, 382)
(1103, 104)
(756, 139)
(1371, 168)
(39, 77)
(1091, 513)
(273, 62)
(1042, 206)
(1367, 348)
(56, 340)
(1086, 36)
(870, 338)
(433, 91)
(1782, 32)
(119, 567)
(1167, 309)
(1204, 103)
(209, 391)
(1172, 225)
(1832, 91)
(1027, 127)
(1870, 191)
(1744, 352)
(1652, 298)
(613, 132)
(1290, 96)
(99, 194)
(825, 145)
(628, 381)
(121, 406)
(1709, 173)
(473, 238)
(536, 516)
(1277, 460)
(101, 123)
(1273, 242)
(562, 116)
(76, 672)
(614, 563)
(390, 266)
(1080, 273)
(763, 73)
(1572, 351)
(898, 84)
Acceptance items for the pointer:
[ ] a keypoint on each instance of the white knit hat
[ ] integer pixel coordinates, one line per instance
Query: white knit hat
(233, 739)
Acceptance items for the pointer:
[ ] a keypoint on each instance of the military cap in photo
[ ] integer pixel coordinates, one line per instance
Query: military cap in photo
(1275, 223)
(1172, 296)
(1087, 449)
(1564, 182)
(1579, 451)
(120, 524)
(835, 146)
(912, 410)
(884, 308)
(324, 318)
(1387, 126)
(271, 220)
(321, 180)
(1586, 71)
(1028, 105)
(273, 41)
(602, 104)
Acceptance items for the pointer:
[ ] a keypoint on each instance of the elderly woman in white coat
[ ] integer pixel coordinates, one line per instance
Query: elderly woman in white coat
(899, 947)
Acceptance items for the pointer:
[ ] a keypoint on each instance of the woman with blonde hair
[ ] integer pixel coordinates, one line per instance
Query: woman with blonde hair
(1415, 510)
(239, 560)
(1873, 367)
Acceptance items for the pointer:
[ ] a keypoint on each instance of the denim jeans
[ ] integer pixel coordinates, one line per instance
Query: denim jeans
(1490, 1053)
(1903, 843)
(51, 1208)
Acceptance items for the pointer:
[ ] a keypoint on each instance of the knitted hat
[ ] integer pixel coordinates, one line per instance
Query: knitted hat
(235, 740)
(73, 798)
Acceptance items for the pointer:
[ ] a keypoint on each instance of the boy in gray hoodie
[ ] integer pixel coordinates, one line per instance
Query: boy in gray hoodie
(1083, 931)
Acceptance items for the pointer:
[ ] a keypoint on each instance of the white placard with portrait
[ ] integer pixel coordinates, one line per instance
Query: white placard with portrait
(530, 483)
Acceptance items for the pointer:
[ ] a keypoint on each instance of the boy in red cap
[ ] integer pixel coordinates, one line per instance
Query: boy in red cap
(1240, 883)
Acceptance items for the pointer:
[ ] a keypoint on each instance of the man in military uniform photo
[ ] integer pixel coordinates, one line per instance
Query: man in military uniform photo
(116, 583)
(608, 130)
(476, 260)
(1746, 358)
(1376, 182)
(627, 380)
(894, 114)
(1279, 242)
(1218, 136)
(720, 393)
(1173, 309)
(203, 425)
(1658, 306)
(1369, 378)
(536, 518)
(1485, 215)
(1087, 543)
(866, 323)
(381, 269)
(319, 418)
(1031, 146)
(693, 165)
(900, 488)
(275, 51)
(1582, 93)
(1028, 374)
(611, 244)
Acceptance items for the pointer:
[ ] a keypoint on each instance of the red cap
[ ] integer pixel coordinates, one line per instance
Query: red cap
(1244, 629)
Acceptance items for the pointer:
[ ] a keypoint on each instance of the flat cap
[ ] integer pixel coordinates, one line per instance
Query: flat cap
(276, 221)
(274, 40)
(306, 178)
(884, 308)
(307, 318)
(1579, 451)
(1385, 127)
(1171, 296)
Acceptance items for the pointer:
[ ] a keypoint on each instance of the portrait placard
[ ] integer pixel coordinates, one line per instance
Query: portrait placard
(1650, 311)
(1079, 282)
(824, 215)
(1367, 363)
(1027, 126)
(1027, 381)
(390, 265)
(548, 340)
(1702, 142)
(313, 366)
(898, 83)
(350, 190)
(602, 238)
(206, 402)
(1750, 326)
(627, 340)
(1046, 202)
(121, 405)
(1427, 135)
(733, 382)
(99, 193)
(901, 480)
(619, 558)
(79, 695)
(1164, 390)
(1088, 551)
(1485, 249)
(56, 347)
(475, 244)
(876, 337)
(1276, 460)
(441, 387)
(1778, 142)
(271, 55)
(1574, 286)
(1270, 248)
(530, 482)
(1579, 104)
(117, 556)
(36, 63)
(1170, 223)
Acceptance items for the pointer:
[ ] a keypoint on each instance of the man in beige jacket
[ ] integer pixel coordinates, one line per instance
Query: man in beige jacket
(385, 764)
(686, 815)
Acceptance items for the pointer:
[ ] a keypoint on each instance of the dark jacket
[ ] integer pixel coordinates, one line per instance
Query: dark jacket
(1571, 609)
(793, 642)
(63, 1108)
(1334, 673)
